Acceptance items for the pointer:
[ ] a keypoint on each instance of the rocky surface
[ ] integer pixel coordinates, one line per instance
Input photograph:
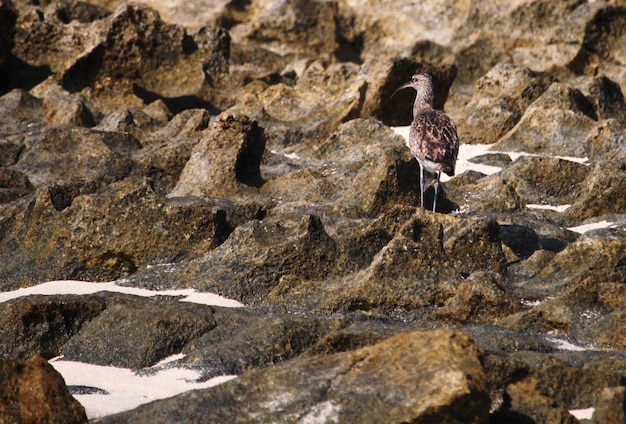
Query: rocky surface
(33, 392)
(246, 150)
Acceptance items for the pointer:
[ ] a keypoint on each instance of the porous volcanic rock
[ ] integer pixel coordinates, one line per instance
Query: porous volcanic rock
(243, 148)
(337, 386)
(113, 338)
(40, 325)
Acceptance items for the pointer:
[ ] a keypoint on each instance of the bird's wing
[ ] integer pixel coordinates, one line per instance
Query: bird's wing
(434, 137)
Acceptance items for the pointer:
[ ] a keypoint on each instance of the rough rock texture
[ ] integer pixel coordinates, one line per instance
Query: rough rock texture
(425, 376)
(244, 148)
(170, 325)
(33, 392)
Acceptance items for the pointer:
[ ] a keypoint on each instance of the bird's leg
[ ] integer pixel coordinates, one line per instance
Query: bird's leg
(436, 191)
(421, 185)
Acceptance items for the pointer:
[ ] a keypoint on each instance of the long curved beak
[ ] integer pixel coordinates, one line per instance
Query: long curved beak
(402, 87)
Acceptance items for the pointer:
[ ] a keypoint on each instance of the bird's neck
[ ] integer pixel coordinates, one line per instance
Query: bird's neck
(423, 101)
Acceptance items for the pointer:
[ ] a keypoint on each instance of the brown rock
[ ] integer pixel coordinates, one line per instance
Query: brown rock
(13, 184)
(103, 236)
(282, 246)
(33, 392)
(303, 27)
(431, 377)
(500, 98)
(611, 407)
(476, 192)
(63, 154)
(547, 180)
(601, 192)
(385, 75)
(477, 300)
(226, 162)
(560, 122)
(524, 401)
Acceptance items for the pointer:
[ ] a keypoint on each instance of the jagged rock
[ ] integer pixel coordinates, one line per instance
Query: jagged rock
(602, 50)
(39, 326)
(9, 153)
(243, 340)
(65, 154)
(281, 246)
(378, 171)
(526, 234)
(601, 191)
(225, 163)
(500, 98)
(605, 95)
(523, 402)
(559, 122)
(476, 192)
(405, 276)
(13, 184)
(584, 291)
(168, 149)
(136, 333)
(32, 391)
(311, 219)
(384, 76)
(157, 60)
(22, 117)
(547, 180)
(303, 27)
(103, 235)
(406, 367)
(477, 300)
(322, 98)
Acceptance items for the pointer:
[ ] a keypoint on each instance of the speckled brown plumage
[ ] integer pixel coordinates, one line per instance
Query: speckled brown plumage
(433, 138)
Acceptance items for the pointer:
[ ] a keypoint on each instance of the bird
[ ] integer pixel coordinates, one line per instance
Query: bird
(433, 138)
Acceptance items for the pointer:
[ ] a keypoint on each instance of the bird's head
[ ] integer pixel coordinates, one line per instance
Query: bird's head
(422, 83)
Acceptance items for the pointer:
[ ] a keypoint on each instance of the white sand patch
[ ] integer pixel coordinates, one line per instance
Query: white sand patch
(582, 414)
(466, 152)
(126, 389)
(562, 344)
(469, 151)
(558, 208)
(582, 229)
(84, 287)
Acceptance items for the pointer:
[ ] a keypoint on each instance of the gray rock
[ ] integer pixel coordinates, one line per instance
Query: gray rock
(40, 325)
(115, 338)
(244, 340)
